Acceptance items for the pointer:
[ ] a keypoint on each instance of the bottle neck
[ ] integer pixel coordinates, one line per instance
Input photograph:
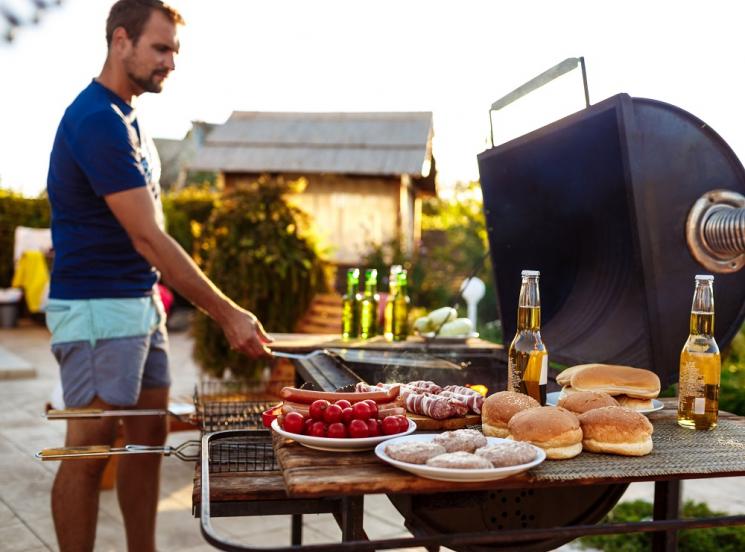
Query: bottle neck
(529, 305)
(371, 287)
(702, 309)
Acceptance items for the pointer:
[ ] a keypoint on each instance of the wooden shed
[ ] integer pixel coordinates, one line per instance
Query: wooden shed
(366, 172)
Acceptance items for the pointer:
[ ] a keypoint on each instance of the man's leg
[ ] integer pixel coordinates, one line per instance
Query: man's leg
(138, 475)
(76, 486)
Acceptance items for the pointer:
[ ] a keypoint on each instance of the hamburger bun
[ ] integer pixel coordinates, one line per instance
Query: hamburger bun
(634, 403)
(580, 402)
(616, 430)
(499, 408)
(554, 429)
(617, 380)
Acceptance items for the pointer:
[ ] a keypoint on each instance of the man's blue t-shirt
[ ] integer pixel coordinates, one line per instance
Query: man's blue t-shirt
(99, 149)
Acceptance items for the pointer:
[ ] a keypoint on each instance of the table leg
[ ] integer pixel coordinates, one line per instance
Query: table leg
(350, 518)
(666, 506)
(297, 529)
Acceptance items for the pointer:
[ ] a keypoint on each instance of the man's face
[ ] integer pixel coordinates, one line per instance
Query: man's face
(149, 62)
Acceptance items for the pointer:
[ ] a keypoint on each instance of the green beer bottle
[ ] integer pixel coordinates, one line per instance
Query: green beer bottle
(350, 318)
(369, 305)
(401, 303)
(392, 287)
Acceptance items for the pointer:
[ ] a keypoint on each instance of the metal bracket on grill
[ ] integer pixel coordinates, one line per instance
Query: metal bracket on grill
(715, 231)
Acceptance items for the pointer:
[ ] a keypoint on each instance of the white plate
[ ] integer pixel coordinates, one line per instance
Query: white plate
(430, 336)
(339, 445)
(453, 474)
(552, 399)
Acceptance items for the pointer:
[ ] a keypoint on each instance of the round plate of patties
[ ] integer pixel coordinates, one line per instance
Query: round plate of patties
(552, 399)
(422, 455)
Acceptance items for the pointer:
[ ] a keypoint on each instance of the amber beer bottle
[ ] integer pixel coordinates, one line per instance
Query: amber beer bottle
(700, 363)
(369, 305)
(528, 358)
(350, 318)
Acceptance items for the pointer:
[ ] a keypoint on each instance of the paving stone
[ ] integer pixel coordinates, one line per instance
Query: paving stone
(17, 537)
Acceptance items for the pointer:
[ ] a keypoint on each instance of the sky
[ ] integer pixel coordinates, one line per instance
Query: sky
(453, 58)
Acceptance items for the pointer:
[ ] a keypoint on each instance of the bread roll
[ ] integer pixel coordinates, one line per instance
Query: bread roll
(634, 403)
(554, 429)
(617, 380)
(499, 408)
(582, 401)
(616, 430)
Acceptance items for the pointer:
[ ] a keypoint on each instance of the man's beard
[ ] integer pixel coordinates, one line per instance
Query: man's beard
(148, 84)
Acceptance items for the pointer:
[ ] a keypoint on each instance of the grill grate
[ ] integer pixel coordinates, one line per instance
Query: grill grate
(229, 404)
(242, 454)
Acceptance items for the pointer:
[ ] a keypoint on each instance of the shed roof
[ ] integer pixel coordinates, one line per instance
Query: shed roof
(390, 143)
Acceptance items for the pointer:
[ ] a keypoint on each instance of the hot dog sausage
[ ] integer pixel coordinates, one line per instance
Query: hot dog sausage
(307, 396)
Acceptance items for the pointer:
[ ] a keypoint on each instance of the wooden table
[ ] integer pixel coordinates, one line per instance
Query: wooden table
(338, 482)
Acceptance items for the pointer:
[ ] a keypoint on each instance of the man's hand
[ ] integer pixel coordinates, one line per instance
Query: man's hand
(246, 334)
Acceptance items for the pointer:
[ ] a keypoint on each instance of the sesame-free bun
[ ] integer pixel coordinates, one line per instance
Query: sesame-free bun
(565, 376)
(554, 429)
(499, 408)
(616, 430)
(580, 402)
(617, 380)
(634, 403)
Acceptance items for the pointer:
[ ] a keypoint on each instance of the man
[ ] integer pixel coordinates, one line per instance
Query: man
(107, 323)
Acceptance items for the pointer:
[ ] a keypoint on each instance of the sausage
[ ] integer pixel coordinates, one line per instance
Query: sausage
(307, 396)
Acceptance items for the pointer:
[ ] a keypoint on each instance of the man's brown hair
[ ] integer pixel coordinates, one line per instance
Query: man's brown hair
(133, 14)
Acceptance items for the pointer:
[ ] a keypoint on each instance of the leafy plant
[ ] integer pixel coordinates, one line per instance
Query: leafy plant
(17, 210)
(254, 247)
(186, 212)
(718, 539)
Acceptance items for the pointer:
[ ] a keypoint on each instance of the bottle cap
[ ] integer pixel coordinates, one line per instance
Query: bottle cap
(531, 273)
(705, 277)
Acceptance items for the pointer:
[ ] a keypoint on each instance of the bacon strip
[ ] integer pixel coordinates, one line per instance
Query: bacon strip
(426, 386)
(434, 406)
(473, 402)
(461, 390)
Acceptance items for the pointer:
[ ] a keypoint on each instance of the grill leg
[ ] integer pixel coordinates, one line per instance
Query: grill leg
(350, 518)
(297, 529)
(666, 506)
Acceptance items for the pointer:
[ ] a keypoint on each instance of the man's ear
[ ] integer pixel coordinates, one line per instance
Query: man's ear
(120, 40)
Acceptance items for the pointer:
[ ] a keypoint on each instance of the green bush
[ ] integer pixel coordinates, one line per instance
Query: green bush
(186, 212)
(716, 539)
(16, 210)
(454, 245)
(254, 249)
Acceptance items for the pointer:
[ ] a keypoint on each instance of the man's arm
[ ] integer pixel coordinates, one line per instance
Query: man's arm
(135, 210)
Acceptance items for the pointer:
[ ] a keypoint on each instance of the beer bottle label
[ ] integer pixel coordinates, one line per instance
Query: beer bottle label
(699, 405)
(544, 371)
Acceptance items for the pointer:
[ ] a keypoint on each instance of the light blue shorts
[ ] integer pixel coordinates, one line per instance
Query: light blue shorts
(110, 348)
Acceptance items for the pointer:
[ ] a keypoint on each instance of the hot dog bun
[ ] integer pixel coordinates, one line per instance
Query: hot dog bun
(554, 429)
(499, 408)
(616, 380)
(616, 430)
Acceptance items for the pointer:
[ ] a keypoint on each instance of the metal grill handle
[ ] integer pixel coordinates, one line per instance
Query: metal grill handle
(715, 231)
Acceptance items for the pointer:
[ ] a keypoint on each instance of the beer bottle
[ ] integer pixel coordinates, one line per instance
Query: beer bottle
(401, 303)
(350, 318)
(369, 305)
(388, 314)
(700, 364)
(528, 358)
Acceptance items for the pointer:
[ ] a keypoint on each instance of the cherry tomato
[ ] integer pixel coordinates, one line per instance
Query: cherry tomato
(347, 415)
(306, 425)
(390, 425)
(317, 407)
(358, 429)
(337, 430)
(318, 429)
(373, 407)
(403, 423)
(332, 414)
(373, 429)
(293, 422)
(343, 403)
(361, 411)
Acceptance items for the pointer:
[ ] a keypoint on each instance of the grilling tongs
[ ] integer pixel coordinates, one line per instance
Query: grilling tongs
(104, 451)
